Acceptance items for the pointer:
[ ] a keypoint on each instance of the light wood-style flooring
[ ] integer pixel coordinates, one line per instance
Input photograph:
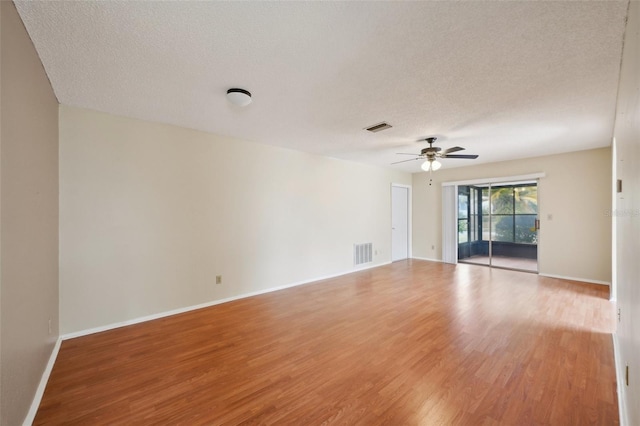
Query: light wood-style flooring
(529, 265)
(411, 343)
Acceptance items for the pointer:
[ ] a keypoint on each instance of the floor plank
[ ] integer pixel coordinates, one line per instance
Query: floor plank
(411, 343)
(507, 262)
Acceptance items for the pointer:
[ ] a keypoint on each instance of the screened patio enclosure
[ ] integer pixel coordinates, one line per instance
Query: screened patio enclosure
(498, 225)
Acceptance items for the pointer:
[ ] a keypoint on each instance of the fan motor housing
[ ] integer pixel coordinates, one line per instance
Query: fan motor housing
(431, 150)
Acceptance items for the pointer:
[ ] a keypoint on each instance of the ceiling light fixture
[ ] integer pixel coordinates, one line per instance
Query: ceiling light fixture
(431, 165)
(239, 97)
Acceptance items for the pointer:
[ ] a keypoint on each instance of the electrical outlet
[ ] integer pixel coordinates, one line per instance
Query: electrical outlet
(433, 247)
(218, 279)
(619, 314)
(49, 325)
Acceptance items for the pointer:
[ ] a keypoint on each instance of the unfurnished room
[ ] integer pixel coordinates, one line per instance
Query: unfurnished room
(318, 213)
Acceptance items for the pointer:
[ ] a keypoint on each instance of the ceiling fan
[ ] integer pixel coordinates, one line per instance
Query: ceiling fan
(432, 153)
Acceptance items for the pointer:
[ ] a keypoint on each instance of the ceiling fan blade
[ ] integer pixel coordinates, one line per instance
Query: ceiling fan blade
(454, 149)
(411, 159)
(470, 157)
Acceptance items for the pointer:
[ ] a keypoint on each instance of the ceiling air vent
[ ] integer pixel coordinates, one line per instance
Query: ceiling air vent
(379, 127)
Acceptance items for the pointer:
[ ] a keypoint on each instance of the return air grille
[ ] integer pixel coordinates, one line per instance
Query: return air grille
(362, 253)
(379, 127)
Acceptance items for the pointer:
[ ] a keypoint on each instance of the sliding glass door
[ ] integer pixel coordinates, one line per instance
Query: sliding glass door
(471, 227)
(497, 225)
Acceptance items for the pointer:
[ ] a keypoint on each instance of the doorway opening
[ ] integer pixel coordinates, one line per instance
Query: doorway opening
(498, 225)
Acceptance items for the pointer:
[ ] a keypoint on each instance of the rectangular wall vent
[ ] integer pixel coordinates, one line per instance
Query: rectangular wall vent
(362, 253)
(379, 127)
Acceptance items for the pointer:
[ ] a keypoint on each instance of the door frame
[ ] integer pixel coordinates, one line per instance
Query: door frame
(450, 233)
(491, 242)
(409, 219)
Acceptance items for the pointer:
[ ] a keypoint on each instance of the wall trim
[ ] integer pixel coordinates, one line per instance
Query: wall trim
(585, 280)
(622, 395)
(37, 398)
(164, 314)
(530, 176)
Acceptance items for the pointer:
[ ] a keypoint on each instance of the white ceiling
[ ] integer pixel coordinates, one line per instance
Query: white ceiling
(503, 79)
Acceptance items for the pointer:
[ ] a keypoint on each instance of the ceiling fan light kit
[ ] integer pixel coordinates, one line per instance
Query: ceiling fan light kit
(431, 165)
(239, 97)
(432, 153)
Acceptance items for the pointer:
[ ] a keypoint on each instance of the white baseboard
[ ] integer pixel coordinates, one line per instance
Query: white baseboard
(584, 280)
(37, 398)
(622, 395)
(207, 304)
(428, 259)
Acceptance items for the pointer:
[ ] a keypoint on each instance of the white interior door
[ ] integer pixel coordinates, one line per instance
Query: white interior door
(399, 223)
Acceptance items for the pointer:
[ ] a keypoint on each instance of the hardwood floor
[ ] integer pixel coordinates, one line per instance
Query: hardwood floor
(530, 265)
(412, 343)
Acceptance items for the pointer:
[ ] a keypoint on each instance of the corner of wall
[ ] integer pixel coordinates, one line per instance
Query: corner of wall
(28, 218)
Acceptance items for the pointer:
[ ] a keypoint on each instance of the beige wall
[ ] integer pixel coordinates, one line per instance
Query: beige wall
(29, 219)
(151, 213)
(576, 192)
(627, 134)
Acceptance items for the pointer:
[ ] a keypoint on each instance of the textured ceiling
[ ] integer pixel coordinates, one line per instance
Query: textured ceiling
(503, 79)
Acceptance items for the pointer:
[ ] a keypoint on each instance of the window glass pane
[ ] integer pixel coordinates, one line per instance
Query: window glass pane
(525, 229)
(526, 199)
(463, 206)
(485, 227)
(503, 228)
(485, 201)
(462, 231)
(502, 200)
(473, 227)
(473, 213)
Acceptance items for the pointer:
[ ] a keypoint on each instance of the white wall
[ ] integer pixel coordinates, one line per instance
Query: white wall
(627, 134)
(576, 192)
(151, 213)
(29, 219)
